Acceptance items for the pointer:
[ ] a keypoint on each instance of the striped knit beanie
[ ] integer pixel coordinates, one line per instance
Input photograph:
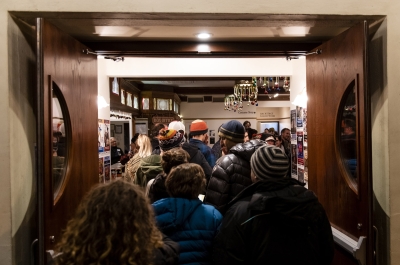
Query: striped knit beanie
(232, 130)
(269, 162)
(170, 139)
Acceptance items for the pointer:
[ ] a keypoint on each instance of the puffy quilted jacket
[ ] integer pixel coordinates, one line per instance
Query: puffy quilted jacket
(191, 224)
(231, 174)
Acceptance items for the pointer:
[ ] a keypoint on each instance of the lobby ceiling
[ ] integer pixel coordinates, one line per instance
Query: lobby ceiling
(175, 35)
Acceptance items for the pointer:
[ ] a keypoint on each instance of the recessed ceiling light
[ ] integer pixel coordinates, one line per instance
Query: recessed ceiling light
(203, 35)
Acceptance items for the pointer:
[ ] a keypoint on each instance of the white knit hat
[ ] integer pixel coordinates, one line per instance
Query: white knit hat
(177, 126)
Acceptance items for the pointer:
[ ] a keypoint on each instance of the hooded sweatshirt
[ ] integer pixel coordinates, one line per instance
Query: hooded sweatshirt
(191, 224)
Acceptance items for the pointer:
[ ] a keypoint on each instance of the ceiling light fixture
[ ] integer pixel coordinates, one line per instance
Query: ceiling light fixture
(204, 35)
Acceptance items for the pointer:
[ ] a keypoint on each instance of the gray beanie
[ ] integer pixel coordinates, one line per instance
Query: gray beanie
(269, 162)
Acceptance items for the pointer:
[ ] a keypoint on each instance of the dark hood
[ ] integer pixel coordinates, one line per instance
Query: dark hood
(246, 150)
(286, 196)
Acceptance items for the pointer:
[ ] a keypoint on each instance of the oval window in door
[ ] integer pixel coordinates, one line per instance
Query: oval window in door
(61, 129)
(347, 138)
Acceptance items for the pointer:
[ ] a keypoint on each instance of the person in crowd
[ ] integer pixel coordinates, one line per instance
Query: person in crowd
(217, 147)
(246, 137)
(144, 150)
(169, 159)
(184, 218)
(134, 149)
(272, 131)
(270, 140)
(150, 167)
(246, 125)
(275, 220)
(155, 133)
(231, 173)
(287, 144)
(198, 131)
(115, 224)
(116, 152)
(134, 146)
(251, 133)
(278, 142)
(196, 156)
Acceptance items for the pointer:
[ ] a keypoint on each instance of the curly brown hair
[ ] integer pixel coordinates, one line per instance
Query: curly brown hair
(172, 158)
(114, 224)
(185, 181)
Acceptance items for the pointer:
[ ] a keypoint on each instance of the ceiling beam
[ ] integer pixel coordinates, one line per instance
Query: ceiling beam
(191, 49)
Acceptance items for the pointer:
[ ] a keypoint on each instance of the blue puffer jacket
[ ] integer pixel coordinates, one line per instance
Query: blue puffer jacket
(191, 224)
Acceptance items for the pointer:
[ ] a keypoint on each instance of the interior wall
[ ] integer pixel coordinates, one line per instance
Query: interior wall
(212, 112)
(21, 188)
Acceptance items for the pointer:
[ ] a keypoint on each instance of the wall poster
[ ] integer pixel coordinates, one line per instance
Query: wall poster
(299, 116)
(103, 135)
(293, 121)
(294, 161)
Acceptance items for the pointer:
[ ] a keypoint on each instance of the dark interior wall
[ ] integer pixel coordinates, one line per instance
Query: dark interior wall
(22, 83)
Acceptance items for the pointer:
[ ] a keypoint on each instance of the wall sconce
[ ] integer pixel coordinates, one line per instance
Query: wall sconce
(101, 102)
(301, 99)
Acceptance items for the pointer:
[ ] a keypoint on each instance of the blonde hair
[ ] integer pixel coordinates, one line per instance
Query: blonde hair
(114, 224)
(145, 148)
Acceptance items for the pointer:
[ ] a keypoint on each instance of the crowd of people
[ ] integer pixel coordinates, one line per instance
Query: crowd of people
(253, 212)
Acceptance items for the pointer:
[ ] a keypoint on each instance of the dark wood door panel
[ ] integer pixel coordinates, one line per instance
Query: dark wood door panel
(75, 74)
(329, 76)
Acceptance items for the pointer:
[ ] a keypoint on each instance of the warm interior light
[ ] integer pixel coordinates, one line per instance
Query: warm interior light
(276, 95)
(203, 35)
(101, 102)
(203, 48)
(301, 99)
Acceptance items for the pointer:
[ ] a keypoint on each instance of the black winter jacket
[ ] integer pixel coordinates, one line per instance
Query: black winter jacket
(276, 222)
(196, 156)
(231, 174)
(168, 254)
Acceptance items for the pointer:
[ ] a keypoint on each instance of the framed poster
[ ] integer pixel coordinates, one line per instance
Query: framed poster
(122, 96)
(128, 99)
(118, 129)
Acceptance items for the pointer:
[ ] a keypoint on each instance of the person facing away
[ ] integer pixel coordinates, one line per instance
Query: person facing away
(196, 156)
(184, 218)
(114, 224)
(150, 167)
(155, 133)
(231, 173)
(170, 158)
(198, 132)
(275, 220)
(116, 152)
(144, 149)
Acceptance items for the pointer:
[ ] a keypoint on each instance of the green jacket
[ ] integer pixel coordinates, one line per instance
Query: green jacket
(149, 168)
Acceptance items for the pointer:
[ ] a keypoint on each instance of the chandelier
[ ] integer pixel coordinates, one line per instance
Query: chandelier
(248, 91)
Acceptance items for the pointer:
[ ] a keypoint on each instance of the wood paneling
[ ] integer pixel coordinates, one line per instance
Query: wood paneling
(75, 73)
(343, 60)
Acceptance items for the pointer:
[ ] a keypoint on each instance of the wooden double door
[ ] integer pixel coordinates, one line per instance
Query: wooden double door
(67, 83)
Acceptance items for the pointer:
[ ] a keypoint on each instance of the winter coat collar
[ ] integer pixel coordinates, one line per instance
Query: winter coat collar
(246, 150)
